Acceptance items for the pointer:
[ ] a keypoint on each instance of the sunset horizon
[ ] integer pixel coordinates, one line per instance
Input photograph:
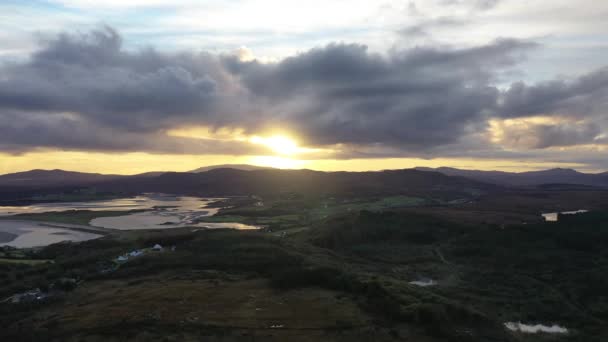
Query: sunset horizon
(154, 163)
(392, 85)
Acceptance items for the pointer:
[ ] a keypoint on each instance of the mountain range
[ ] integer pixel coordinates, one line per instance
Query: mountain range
(231, 181)
(530, 178)
(52, 178)
(247, 179)
(244, 167)
(227, 181)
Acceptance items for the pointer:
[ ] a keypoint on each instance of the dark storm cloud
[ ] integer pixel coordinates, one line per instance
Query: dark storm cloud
(91, 74)
(419, 98)
(582, 97)
(566, 135)
(579, 107)
(88, 92)
(21, 132)
(539, 136)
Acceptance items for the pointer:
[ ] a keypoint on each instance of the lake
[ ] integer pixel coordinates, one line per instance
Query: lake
(164, 219)
(143, 202)
(26, 234)
(161, 212)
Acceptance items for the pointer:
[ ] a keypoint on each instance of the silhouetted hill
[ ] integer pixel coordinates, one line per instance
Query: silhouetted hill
(228, 181)
(530, 178)
(52, 178)
(244, 167)
(150, 174)
(255, 180)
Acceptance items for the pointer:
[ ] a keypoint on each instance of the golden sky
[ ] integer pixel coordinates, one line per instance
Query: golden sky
(282, 151)
(385, 87)
(134, 163)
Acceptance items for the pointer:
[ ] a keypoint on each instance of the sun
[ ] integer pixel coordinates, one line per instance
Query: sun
(279, 144)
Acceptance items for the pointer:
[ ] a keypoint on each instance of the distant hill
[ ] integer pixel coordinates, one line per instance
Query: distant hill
(150, 174)
(235, 179)
(530, 178)
(52, 178)
(229, 181)
(244, 167)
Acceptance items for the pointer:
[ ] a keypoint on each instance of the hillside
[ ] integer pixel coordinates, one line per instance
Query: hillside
(224, 182)
(530, 178)
(244, 167)
(46, 178)
(240, 179)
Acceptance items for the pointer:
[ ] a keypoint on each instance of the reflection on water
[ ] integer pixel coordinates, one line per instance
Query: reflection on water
(168, 212)
(230, 225)
(160, 219)
(162, 212)
(553, 217)
(147, 201)
(535, 328)
(424, 282)
(24, 234)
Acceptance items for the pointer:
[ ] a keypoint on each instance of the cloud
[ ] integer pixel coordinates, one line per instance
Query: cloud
(482, 5)
(426, 27)
(22, 132)
(544, 132)
(583, 96)
(415, 99)
(486, 4)
(577, 109)
(86, 91)
(91, 74)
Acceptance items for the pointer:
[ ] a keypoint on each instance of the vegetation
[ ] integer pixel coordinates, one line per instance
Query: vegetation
(543, 273)
(24, 261)
(327, 268)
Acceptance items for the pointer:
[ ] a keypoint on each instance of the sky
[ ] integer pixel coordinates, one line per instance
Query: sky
(131, 86)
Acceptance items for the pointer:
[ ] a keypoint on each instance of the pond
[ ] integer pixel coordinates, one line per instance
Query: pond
(26, 234)
(553, 217)
(535, 328)
(424, 282)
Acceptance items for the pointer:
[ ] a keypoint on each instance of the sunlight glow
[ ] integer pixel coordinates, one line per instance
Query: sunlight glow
(205, 132)
(278, 144)
(133, 163)
(520, 132)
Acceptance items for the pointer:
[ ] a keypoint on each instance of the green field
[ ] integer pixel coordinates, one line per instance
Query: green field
(332, 208)
(293, 212)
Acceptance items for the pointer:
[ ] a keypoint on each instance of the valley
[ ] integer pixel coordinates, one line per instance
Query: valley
(465, 264)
